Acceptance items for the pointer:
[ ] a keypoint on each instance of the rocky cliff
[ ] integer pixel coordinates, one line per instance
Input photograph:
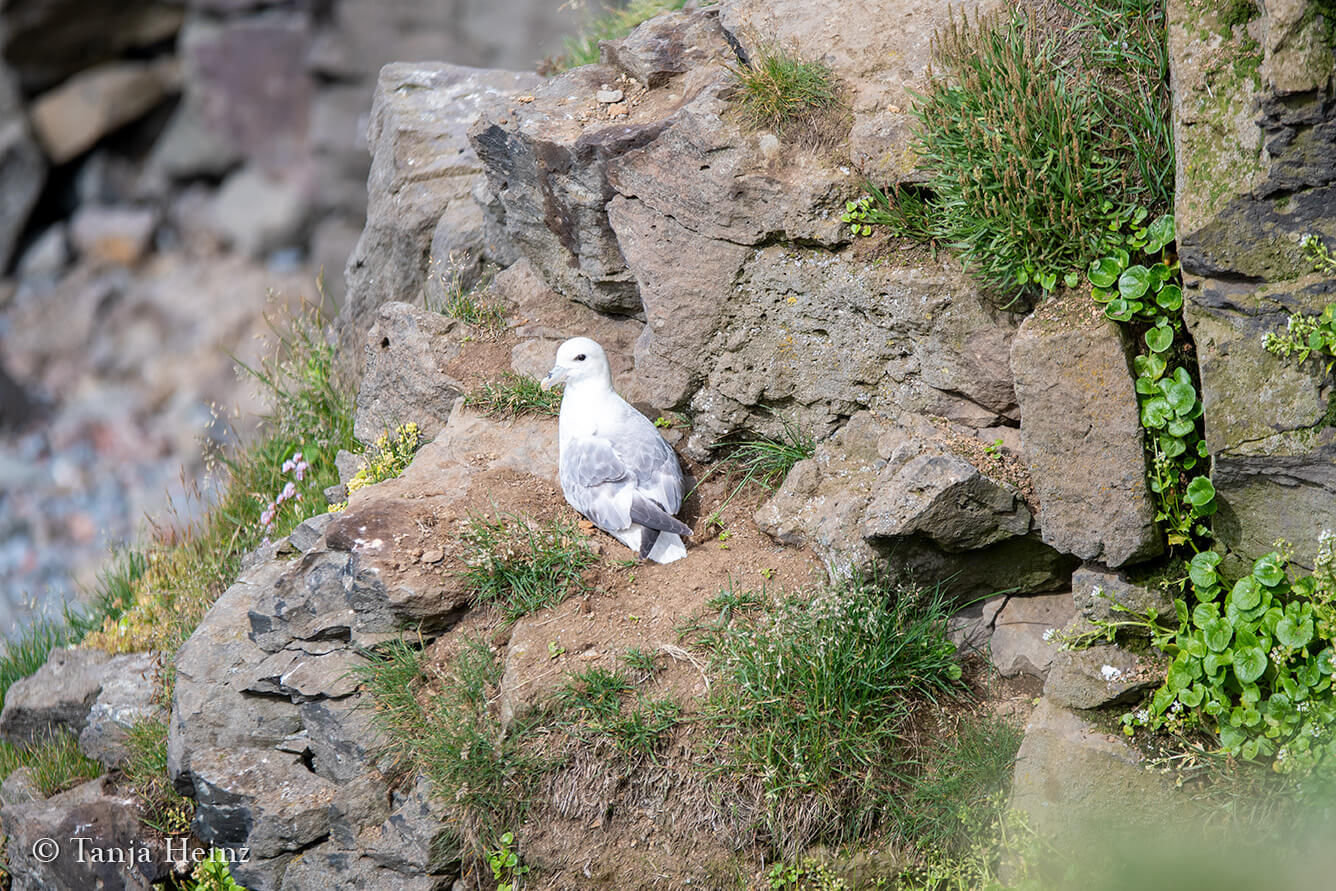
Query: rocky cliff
(954, 440)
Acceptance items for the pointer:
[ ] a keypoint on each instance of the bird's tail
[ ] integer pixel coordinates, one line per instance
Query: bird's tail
(668, 548)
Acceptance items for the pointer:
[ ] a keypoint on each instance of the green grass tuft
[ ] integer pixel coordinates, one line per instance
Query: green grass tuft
(56, 764)
(768, 461)
(28, 650)
(1036, 145)
(815, 701)
(611, 24)
(595, 693)
(961, 792)
(781, 92)
(522, 566)
(512, 395)
(146, 772)
(639, 732)
(450, 733)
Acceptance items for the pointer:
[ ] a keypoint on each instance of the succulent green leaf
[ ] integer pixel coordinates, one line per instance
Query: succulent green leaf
(1199, 493)
(1246, 594)
(1249, 663)
(1217, 635)
(1160, 339)
(1170, 298)
(1269, 570)
(1104, 272)
(1134, 282)
(1159, 233)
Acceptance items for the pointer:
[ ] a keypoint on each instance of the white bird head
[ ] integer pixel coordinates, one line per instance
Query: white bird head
(578, 359)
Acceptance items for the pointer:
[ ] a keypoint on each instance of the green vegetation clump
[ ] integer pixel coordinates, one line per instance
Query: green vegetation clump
(521, 566)
(467, 304)
(1253, 661)
(783, 92)
(450, 734)
(146, 772)
(28, 650)
(1148, 296)
(1306, 335)
(389, 457)
(815, 701)
(56, 764)
(512, 395)
(1038, 138)
(611, 24)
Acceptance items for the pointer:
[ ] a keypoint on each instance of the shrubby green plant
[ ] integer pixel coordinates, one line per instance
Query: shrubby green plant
(1253, 661)
(1037, 144)
(388, 458)
(505, 864)
(906, 213)
(213, 874)
(1148, 297)
(1306, 335)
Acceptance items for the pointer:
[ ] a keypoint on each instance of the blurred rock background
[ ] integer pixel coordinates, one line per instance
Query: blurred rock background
(170, 172)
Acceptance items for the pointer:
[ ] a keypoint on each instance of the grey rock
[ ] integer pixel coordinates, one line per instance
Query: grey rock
(47, 256)
(1096, 589)
(19, 787)
(247, 90)
(1018, 644)
(1104, 674)
(56, 697)
(70, 119)
(819, 332)
(308, 534)
(942, 496)
(860, 54)
(1081, 434)
(1255, 141)
(128, 696)
(188, 148)
(257, 213)
(406, 355)
(971, 628)
(210, 708)
(22, 167)
(666, 46)
(304, 677)
(92, 811)
(117, 235)
(548, 163)
(1081, 788)
(311, 871)
(344, 740)
(872, 493)
(46, 41)
(421, 164)
(417, 837)
(264, 800)
(543, 319)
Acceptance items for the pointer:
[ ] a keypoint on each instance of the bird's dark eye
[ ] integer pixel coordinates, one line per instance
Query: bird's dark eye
(580, 358)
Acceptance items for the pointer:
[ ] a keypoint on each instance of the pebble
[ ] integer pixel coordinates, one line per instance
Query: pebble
(608, 96)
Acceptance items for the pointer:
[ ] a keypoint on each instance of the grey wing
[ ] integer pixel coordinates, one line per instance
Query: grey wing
(651, 462)
(597, 483)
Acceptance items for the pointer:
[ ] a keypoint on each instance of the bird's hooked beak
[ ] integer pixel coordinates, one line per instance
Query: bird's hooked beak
(556, 376)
